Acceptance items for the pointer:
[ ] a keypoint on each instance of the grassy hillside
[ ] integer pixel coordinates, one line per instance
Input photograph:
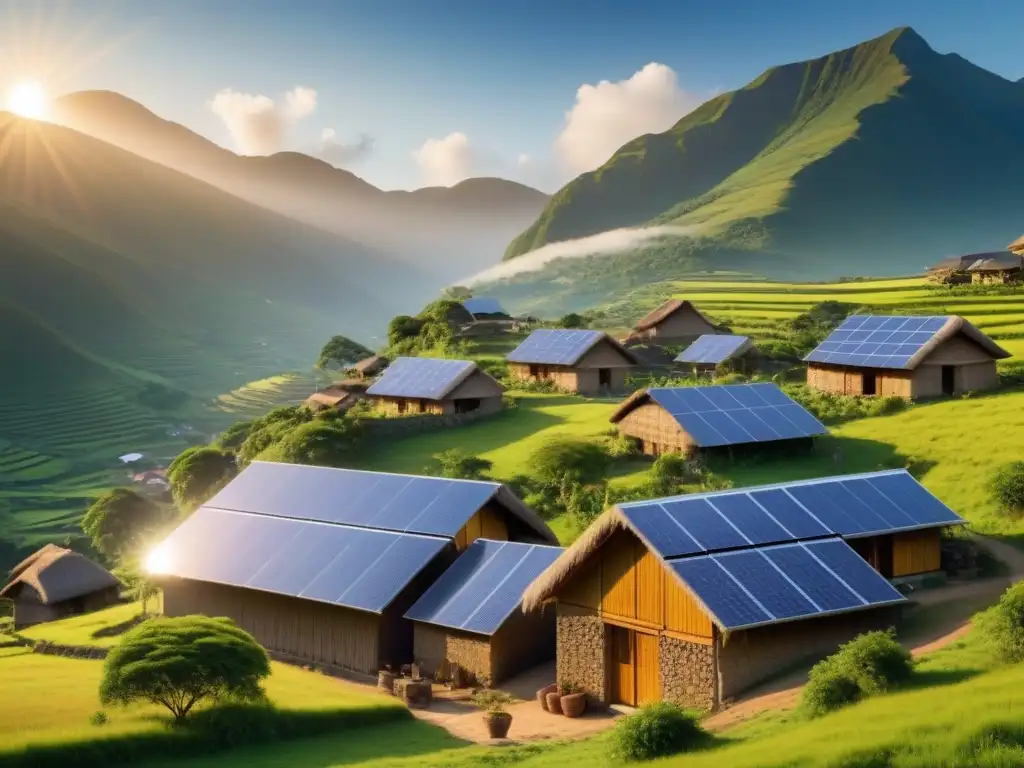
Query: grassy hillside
(782, 176)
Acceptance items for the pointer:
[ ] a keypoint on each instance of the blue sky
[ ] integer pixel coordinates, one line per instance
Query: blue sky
(503, 74)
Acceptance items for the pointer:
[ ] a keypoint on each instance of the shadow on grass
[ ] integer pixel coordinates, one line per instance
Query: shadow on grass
(932, 678)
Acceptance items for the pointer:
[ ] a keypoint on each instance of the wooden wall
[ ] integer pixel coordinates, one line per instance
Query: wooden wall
(489, 522)
(563, 377)
(850, 381)
(657, 429)
(916, 552)
(683, 324)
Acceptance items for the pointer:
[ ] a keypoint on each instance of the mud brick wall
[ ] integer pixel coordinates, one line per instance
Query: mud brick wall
(688, 674)
(581, 642)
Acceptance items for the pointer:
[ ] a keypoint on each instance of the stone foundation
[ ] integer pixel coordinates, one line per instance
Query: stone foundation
(582, 652)
(434, 645)
(688, 673)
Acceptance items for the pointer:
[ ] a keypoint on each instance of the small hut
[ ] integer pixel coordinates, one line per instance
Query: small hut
(904, 356)
(712, 352)
(369, 367)
(54, 583)
(953, 270)
(333, 396)
(674, 322)
(471, 616)
(999, 267)
(581, 361)
(698, 598)
(321, 564)
(689, 419)
(413, 385)
(1017, 246)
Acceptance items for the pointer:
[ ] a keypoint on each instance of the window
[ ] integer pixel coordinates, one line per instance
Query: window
(534, 370)
(401, 406)
(870, 386)
(467, 405)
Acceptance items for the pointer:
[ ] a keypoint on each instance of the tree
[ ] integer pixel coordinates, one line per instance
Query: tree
(138, 586)
(459, 465)
(198, 473)
(231, 439)
(457, 293)
(403, 327)
(120, 523)
(270, 429)
(572, 320)
(320, 443)
(179, 662)
(341, 352)
(556, 459)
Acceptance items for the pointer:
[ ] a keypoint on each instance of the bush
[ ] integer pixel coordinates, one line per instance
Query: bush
(198, 473)
(1007, 487)
(621, 446)
(572, 320)
(1002, 625)
(657, 730)
(669, 471)
(870, 664)
(321, 443)
(584, 461)
(459, 465)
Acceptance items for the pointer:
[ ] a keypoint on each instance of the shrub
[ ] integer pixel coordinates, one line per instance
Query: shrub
(98, 718)
(459, 465)
(657, 730)
(669, 471)
(585, 461)
(828, 688)
(322, 443)
(1007, 487)
(1002, 625)
(198, 473)
(491, 701)
(621, 446)
(572, 320)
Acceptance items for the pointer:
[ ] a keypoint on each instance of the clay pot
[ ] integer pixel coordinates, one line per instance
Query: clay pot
(573, 704)
(554, 700)
(498, 724)
(542, 695)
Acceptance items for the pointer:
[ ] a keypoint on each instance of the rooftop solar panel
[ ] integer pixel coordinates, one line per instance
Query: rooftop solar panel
(736, 414)
(846, 505)
(350, 567)
(554, 347)
(484, 586)
(877, 341)
(772, 584)
(426, 378)
(403, 503)
(712, 348)
(481, 305)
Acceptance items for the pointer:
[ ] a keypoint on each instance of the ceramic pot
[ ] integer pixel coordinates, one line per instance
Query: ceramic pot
(573, 704)
(554, 700)
(498, 724)
(542, 695)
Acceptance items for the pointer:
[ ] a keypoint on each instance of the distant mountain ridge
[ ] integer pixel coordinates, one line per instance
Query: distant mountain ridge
(453, 230)
(878, 159)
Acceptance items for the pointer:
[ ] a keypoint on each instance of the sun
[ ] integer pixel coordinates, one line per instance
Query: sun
(27, 99)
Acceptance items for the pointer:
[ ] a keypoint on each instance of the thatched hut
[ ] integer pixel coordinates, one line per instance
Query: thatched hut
(1017, 246)
(674, 322)
(334, 396)
(320, 565)
(54, 583)
(999, 267)
(580, 361)
(696, 599)
(369, 367)
(904, 356)
(412, 385)
(471, 617)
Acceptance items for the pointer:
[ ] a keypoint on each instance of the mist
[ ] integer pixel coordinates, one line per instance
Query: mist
(603, 243)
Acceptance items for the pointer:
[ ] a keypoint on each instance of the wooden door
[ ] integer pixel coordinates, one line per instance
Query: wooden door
(646, 668)
(623, 677)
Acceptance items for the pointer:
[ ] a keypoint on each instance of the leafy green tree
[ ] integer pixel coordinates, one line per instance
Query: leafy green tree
(403, 327)
(199, 472)
(322, 443)
(137, 585)
(121, 523)
(270, 429)
(572, 320)
(341, 352)
(1002, 625)
(232, 438)
(180, 662)
(460, 465)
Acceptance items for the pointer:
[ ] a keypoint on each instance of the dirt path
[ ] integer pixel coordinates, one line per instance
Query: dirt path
(961, 601)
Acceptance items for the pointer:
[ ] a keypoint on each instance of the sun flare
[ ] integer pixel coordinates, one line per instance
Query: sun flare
(27, 99)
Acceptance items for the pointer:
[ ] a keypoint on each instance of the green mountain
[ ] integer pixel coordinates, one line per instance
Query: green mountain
(879, 159)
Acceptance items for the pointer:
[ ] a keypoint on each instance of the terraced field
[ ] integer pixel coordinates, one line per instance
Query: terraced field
(258, 397)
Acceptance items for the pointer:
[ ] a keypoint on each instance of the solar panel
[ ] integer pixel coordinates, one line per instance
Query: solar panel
(768, 585)
(877, 341)
(351, 567)
(846, 505)
(427, 378)
(736, 414)
(554, 347)
(403, 503)
(712, 348)
(484, 586)
(482, 305)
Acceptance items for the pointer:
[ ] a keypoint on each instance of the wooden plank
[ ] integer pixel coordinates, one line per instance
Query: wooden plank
(492, 525)
(650, 587)
(623, 682)
(618, 576)
(647, 667)
(682, 613)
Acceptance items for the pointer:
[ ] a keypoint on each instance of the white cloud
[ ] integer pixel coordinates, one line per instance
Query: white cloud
(607, 115)
(447, 161)
(256, 122)
(340, 153)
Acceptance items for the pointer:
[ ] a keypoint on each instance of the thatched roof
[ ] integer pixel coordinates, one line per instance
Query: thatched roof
(370, 365)
(955, 263)
(956, 325)
(996, 262)
(331, 397)
(58, 574)
(1017, 246)
(665, 311)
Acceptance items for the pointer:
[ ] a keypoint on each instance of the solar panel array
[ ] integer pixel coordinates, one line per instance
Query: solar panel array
(712, 348)
(421, 377)
(483, 306)
(876, 341)
(736, 413)
(852, 505)
(554, 347)
(783, 582)
(351, 567)
(404, 503)
(484, 586)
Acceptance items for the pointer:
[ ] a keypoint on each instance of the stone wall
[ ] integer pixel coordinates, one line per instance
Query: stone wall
(581, 642)
(688, 674)
(472, 653)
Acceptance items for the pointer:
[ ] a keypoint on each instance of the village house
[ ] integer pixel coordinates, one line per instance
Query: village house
(953, 270)
(321, 565)
(695, 599)
(335, 396)
(713, 352)
(470, 618)
(579, 361)
(674, 322)
(54, 583)
(412, 385)
(1017, 246)
(688, 419)
(369, 367)
(904, 356)
(999, 267)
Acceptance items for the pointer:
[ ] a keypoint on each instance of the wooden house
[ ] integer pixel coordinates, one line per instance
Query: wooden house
(952, 270)
(580, 361)
(1017, 246)
(714, 352)
(320, 565)
(54, 583)
(471, 619)
(904, 356)
(674, 322)
(369, 367)
(334, 396)
(412, 385)
(696, 599)
(999, 267)
(689, 419)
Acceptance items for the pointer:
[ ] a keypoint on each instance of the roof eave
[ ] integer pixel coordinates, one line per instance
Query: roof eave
(628, 405)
